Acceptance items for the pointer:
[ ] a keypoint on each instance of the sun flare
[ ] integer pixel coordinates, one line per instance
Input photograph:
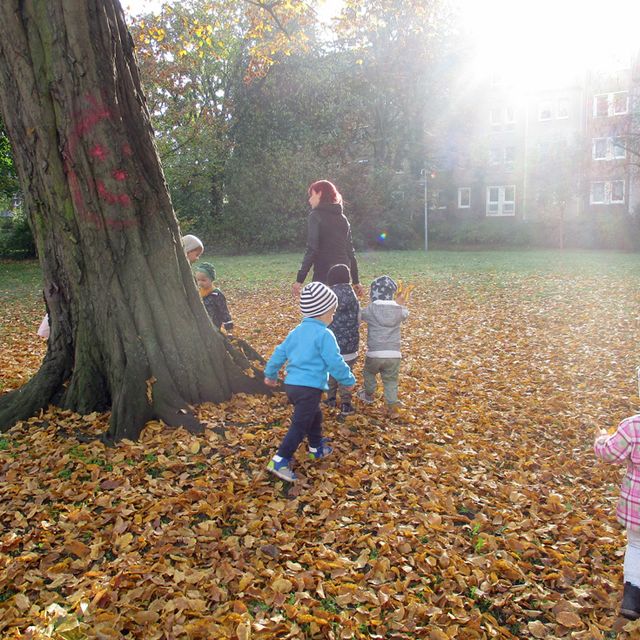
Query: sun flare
(545, 41)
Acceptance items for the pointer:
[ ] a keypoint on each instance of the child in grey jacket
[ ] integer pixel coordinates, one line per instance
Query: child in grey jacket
(383, 316)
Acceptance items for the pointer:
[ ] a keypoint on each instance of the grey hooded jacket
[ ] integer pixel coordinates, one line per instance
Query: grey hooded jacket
(383, 318)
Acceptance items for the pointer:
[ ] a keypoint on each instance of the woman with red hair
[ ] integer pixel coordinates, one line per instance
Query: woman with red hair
(328, 237)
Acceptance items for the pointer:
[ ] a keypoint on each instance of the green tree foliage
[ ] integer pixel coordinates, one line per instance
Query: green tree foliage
(251, 102)
(9, 186)
(195, 56)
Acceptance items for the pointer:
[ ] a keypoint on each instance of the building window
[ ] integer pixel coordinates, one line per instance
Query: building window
(620, 103)
(607, 192)
(617, 191)
(610, 104)
(599, 149)
(597, 193)
(509, 155)
(545, 112)
(501, 201)
(495, 155)
(608, 148)
(563, 108)
(510, 117)
(495, 117)
(619, 148)
(464, 197)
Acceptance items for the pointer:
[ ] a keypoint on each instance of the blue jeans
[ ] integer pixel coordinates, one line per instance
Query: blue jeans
(306, 420)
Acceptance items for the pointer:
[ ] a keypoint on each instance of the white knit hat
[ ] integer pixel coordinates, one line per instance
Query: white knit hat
(190, 243)
(315, 299)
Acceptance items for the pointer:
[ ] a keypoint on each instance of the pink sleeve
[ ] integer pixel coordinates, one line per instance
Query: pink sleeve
(616, 447)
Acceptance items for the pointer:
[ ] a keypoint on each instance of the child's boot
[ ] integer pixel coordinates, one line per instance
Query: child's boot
(346, 409)
(364, 396)
(630, 602)
(280, 467)
(330, 401)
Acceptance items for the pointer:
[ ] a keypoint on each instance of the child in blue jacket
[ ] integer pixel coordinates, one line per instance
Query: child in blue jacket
(311, 353)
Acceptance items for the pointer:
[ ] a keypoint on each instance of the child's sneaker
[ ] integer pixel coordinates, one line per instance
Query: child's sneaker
(329, 402)
(280, 467)
(346, 409)
(630, 607)
(315, 453)
(364, 396)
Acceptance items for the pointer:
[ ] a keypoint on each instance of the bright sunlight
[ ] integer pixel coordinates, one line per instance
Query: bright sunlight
(543, 41)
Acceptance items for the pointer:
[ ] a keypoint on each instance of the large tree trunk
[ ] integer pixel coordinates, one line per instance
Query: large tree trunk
(128, 329)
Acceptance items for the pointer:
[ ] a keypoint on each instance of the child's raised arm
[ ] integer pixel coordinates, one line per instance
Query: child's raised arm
(617, 447)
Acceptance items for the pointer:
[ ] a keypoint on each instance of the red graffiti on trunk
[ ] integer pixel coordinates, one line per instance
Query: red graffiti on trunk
(83, 135)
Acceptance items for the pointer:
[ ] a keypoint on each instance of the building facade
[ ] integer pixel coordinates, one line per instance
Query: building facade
(552, 153)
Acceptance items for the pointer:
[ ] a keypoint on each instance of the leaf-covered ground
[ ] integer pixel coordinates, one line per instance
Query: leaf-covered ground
(479, 513)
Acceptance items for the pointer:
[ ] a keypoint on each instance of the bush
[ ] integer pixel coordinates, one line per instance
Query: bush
(610, 231)
(16, 239)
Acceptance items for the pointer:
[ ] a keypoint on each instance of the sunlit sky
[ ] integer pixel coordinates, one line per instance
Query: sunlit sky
(540, 39)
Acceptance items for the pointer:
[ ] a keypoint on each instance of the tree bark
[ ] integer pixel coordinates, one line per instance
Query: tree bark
(128, 329)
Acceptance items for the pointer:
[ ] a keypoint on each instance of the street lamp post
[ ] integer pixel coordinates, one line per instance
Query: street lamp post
(426, 210)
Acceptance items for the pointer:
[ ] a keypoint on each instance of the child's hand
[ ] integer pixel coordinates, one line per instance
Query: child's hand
(359, 289)
(350, 388)
(401, 300)
(601, 432)
(270, 382)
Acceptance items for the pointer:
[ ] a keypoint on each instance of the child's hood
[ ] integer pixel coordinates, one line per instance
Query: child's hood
(387, 313)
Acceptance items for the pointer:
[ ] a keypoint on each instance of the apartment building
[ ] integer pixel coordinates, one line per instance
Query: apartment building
(566, 149)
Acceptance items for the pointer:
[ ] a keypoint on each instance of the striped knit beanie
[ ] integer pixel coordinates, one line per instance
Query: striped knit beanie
(315, 299)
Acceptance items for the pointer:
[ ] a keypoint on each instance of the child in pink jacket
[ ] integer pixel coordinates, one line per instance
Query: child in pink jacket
(624, 446)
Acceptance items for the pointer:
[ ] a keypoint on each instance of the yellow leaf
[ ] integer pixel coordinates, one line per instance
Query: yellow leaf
(282, 585)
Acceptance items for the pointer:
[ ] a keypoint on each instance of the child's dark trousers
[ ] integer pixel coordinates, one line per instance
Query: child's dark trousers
(306, 420)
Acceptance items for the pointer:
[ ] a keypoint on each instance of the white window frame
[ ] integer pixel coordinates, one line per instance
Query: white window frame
(607, 192)
(621, 201)
(611, 104)
(612, 151)
(466, 190)
(495, 122)
(504, 207)
(545, 105)
(622, 147)
(508, 162)
(510, 117)
(592, 199)
(562, 113)
(496, 155)
(594, 146)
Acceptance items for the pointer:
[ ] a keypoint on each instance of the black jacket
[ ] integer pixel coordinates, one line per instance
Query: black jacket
(328, 243)
(216, 305)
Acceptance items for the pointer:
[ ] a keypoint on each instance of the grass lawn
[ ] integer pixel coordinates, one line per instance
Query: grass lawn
(480, 512)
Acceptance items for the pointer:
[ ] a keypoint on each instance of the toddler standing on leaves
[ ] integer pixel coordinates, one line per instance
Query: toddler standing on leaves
(311, 353)
(383, 316)
(624, 446)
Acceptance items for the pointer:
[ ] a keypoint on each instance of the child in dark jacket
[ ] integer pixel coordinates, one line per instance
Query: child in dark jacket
(345, 328)
(213, 299)
(311, 352)
(383, 316)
